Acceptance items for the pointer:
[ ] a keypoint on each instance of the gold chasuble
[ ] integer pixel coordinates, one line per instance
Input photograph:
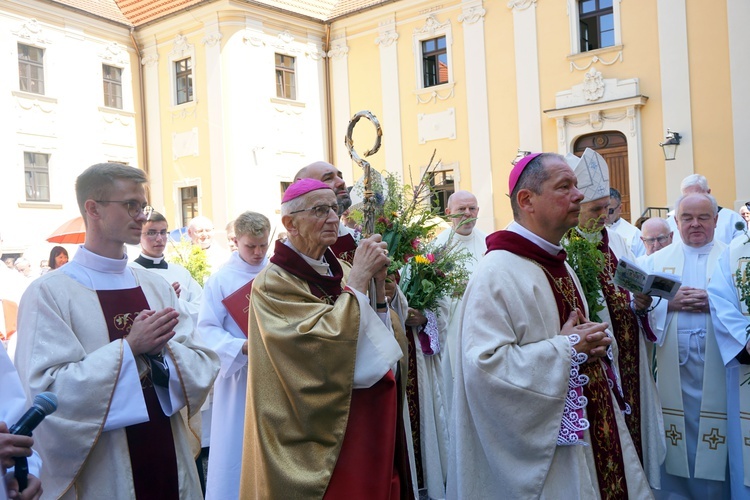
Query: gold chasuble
(302, 408)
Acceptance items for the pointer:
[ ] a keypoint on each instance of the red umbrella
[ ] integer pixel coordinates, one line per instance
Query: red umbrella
(73, 231)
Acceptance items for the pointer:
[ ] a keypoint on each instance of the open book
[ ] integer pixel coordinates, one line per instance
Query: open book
(631, 277)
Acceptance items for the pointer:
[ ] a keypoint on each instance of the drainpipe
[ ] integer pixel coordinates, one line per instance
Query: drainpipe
(141, 88)
(329, 107)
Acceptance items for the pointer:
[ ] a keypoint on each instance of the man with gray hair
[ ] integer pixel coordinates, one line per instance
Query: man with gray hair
(726, 225)
(691, 375)
(655, 235)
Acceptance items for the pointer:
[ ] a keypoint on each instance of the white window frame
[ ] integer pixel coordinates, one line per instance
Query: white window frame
(575, 31)
(44, 67)
(182, 50)
(432, 29)
(122, 86)
(49, 177)
(177, 197)
(295, 73)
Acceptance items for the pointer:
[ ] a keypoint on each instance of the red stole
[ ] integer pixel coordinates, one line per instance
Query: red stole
(605, 440)
(344, 248)
(151, 445)
(373, 459)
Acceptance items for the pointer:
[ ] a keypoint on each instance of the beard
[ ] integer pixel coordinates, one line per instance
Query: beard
(344, 202)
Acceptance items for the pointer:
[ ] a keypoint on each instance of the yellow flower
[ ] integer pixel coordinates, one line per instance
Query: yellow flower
(421, 259)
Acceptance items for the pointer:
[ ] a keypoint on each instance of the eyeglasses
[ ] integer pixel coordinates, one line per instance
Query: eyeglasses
(153, 233)
(612, 210)
(134, 207)
(320, 211)
(661, 239)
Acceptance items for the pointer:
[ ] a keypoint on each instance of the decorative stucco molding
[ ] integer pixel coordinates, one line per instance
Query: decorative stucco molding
(386, 38)
(426, 96)
(32, 31)
(253, 37)
(593, 85)
(338, 50)
(150, 59)
(519, 5)
(115, 53)
(471, 15)
(211, 39)
(431, 25)
(595, 60)
(181, 47)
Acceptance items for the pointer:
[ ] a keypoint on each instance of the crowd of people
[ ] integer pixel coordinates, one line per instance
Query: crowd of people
(299, 369)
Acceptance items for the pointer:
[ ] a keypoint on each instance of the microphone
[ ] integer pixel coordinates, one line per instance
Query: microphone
(740, 226)
(44, 404)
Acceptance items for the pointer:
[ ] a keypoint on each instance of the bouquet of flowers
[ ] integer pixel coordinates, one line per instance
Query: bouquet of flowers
(404, 217)
(742, 276)
(433, 273)
(588, 262)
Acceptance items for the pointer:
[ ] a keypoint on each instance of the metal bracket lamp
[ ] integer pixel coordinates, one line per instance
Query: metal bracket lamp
(670, 145)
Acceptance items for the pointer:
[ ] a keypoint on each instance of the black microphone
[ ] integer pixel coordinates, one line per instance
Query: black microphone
(44, 404)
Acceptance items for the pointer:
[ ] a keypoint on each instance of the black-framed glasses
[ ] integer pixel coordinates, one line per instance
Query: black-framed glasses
(661, 239)
(134, 207)
(320, 211)
(612, 210)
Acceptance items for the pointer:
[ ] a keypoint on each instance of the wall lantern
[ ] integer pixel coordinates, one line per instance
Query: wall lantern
(670, 145)
(521, 154)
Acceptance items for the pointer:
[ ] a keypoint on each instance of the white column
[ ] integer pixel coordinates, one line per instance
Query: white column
(155, 161)
(391, 119)
(527, 75)
(480, 159)
(341, 114)
(738, 14)
(675, 90)
(212, 43)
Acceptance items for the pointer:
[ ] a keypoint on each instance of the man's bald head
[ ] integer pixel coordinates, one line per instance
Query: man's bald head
(325, 172)
(463, 210)
(655, 234)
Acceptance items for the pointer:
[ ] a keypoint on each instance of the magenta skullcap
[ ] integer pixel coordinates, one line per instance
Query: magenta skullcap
(303, 186)
(518, 169)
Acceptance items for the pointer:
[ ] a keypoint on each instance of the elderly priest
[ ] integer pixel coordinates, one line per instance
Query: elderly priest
(323, 415)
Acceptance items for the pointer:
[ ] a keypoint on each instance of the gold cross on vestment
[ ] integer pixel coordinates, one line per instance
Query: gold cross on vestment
(714, 439)
(673, 434)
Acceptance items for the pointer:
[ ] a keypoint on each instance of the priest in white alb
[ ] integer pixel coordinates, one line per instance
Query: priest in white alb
(690, 373)
(729, 295)
(222, 324)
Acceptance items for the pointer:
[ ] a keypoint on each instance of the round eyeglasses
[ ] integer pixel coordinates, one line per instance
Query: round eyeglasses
(320, 211)
(134, 208)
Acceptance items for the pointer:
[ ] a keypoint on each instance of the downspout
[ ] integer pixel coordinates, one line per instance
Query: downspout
(141, 88)
(329, 107)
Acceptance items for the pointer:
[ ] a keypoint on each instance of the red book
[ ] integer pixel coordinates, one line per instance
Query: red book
(238, 305)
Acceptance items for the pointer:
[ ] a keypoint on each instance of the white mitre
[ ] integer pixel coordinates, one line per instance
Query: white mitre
(592, 173)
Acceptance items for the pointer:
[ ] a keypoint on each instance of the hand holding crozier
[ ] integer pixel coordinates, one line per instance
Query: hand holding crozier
(370, 261)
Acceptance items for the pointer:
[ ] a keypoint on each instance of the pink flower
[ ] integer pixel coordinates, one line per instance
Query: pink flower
(415, 243)
(430, 257)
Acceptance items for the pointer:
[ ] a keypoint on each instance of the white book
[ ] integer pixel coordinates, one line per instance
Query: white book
(631, 277)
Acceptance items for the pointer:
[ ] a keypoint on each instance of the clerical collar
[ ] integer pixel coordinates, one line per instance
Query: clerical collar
(548, 247)
(320, 266)
(699, 250)
(152, 262)
(236, 262)
(96, 262)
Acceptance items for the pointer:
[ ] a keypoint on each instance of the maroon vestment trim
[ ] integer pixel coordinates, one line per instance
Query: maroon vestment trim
(151, 445)
(344, 248)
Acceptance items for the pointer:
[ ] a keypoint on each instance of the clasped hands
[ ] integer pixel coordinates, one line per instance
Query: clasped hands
(594, 340)
(689, 299)
(151, 331)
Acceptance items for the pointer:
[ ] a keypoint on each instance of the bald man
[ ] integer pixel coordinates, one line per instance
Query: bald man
(463, 210)
(656, 234)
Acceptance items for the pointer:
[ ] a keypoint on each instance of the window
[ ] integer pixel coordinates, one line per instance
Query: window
(183, 72)
(30, 69)
(36, 172)
(443, 186)
(112, 86)
(189, 198)
(596, 24)
(285, 78)
(434, 62)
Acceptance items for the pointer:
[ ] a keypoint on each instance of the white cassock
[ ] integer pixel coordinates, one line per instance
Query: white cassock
(12, 408)
(631, 234)
(725, 230)
(190, 291)
(731, 320)
(691, 381)
(222, 334)
(64, 347)
(449, 315)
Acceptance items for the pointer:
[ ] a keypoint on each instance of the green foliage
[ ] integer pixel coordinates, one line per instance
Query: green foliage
(588, 263)
(192, 258)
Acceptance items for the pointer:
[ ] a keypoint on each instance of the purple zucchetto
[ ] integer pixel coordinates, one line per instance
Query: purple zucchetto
(518, 169)
(301, 187)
